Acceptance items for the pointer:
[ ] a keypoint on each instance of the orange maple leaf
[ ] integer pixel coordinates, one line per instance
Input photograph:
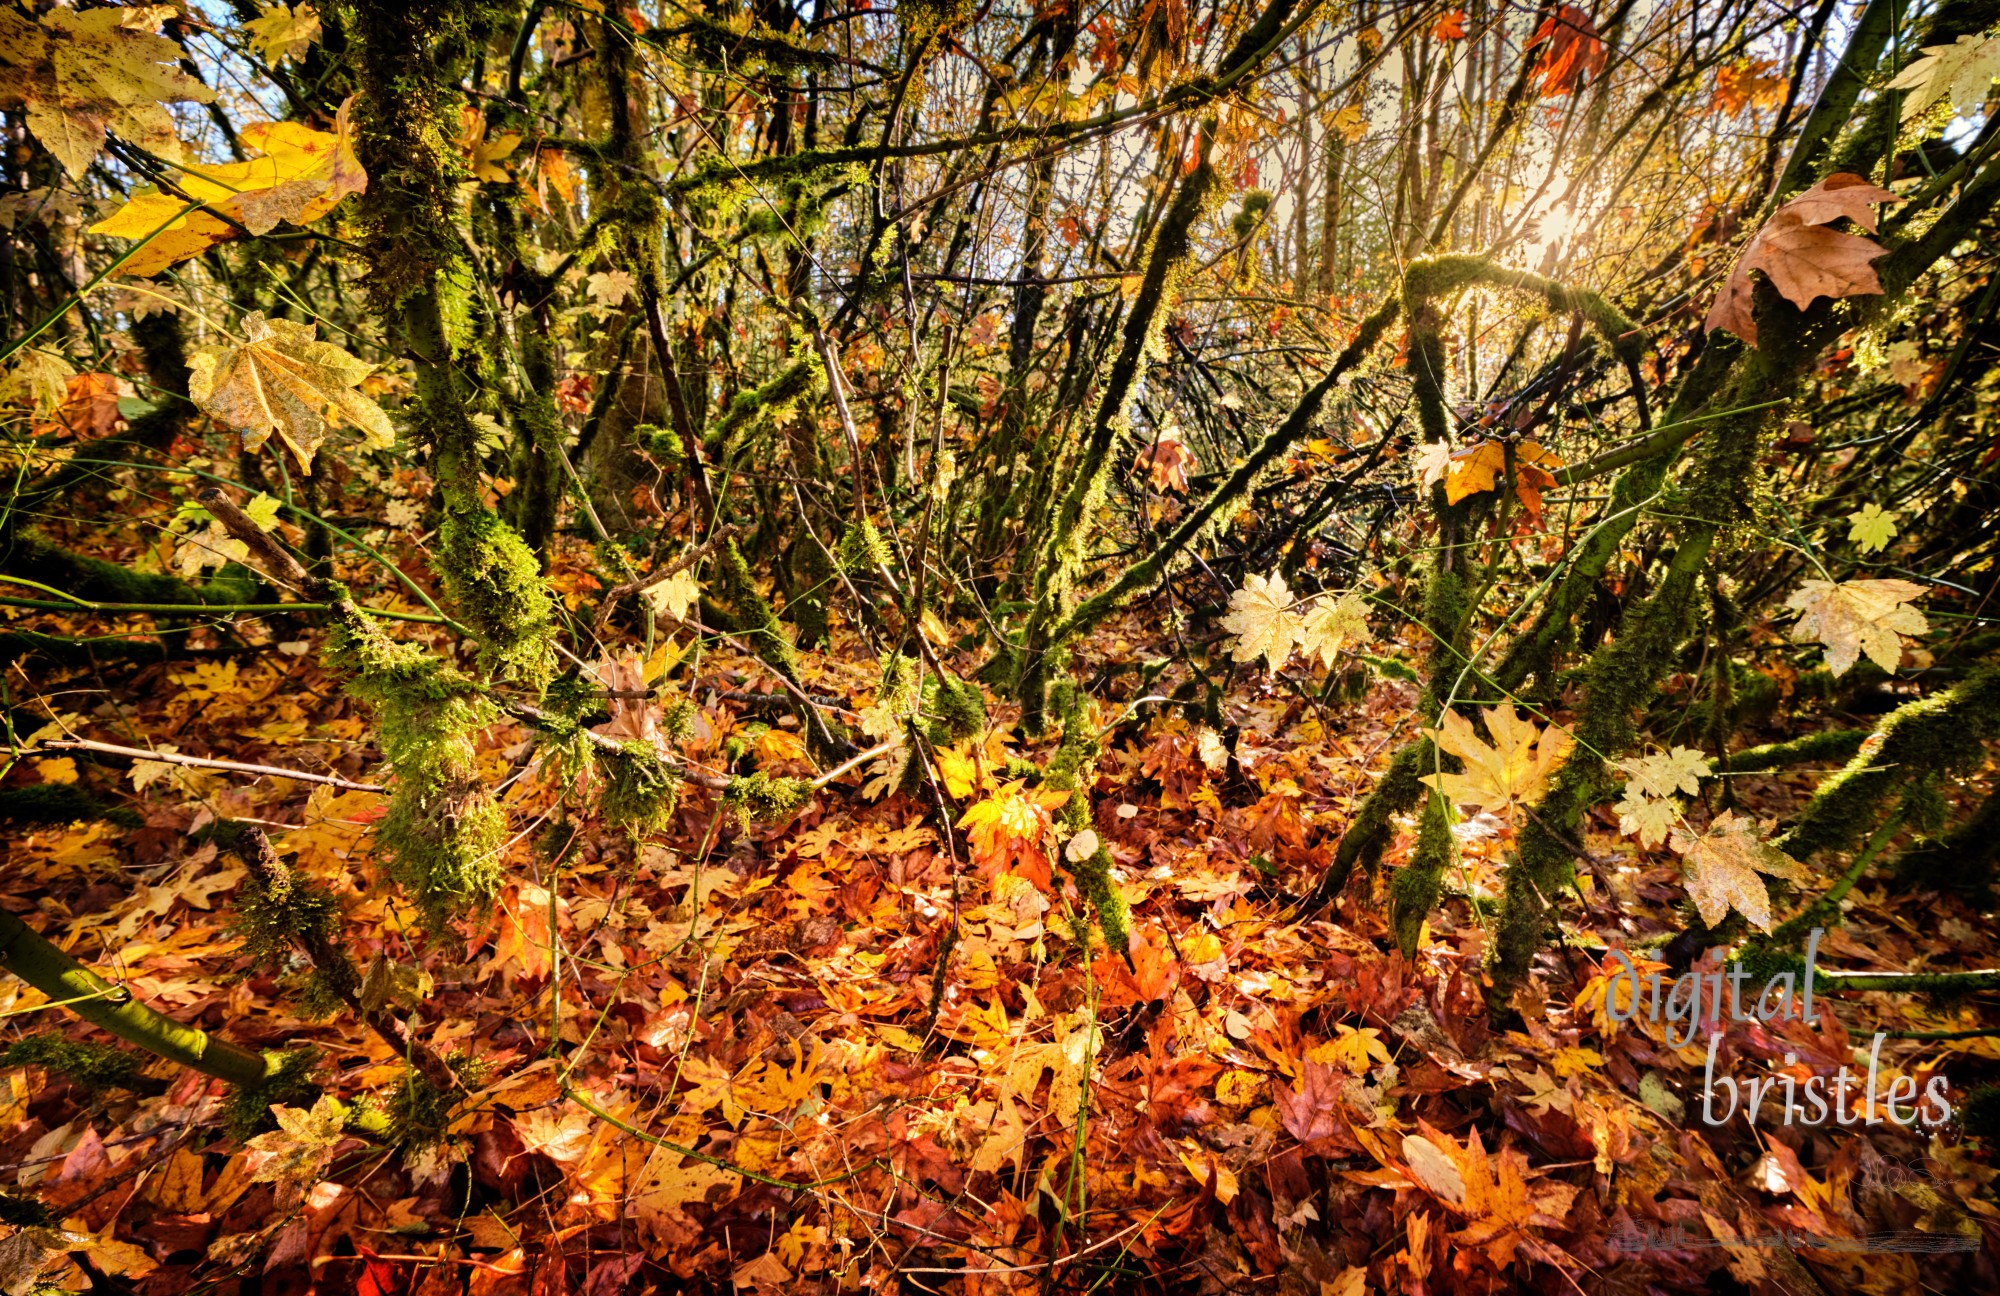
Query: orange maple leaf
(1451, 26)
(1007, 829)
(1571, 50)
(1476, 468)
(1803, 258)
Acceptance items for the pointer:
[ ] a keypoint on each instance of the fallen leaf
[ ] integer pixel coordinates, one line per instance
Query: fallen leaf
(1331, 624)
(1723, 864)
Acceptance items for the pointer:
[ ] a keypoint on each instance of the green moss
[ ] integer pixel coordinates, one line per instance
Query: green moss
(954, 710)
(862, 548)
(1414, 888)
(799, 380)
(1830, 744)
(1937, 735)
(765, 798)
(1255, 205)
(92, 1066)
(1069, 770)
(246, 1112)
(443, 831)
(496, 584)
(639, 789)
(272, 920)
(420, 1113)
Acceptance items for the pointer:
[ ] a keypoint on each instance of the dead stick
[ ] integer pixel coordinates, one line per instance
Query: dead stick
(201, 762)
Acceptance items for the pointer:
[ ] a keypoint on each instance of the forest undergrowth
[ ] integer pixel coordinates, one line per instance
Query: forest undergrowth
(1323, 648)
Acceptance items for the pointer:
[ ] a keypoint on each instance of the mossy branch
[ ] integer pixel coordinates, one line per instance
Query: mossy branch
(29, 956)
(1938, 734)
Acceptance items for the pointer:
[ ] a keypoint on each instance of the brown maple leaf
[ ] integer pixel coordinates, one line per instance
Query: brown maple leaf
(1802, 257)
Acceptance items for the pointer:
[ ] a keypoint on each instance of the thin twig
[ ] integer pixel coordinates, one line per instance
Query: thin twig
(198, 762)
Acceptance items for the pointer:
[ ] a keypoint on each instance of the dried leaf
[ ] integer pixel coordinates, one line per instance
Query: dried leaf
(82, 73)
(1855, 617)
(1333, 623)
(1803, 259)
(282, 380)
(1723, 864)
(1433, 1171)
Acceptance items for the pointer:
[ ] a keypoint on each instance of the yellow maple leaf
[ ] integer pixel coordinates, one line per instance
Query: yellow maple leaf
(1333, 623)
(483, 152)
(302, 1144)
(1854, 617)
(282, 380)
(1723, 864)
(281, 33)
(1261, 618)
(82, 73)
(665, 1190)
(1354, 1051)
(1478, 466)
(1576, 1060)
(1512, 771)
(301, 176)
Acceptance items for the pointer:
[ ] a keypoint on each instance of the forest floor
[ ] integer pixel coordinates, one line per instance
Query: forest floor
(1262, 1097)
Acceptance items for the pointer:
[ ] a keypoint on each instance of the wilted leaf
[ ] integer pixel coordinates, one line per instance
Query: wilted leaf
(1166, 462)
(282, 380)
(609, 287)
(673, 596)
(1666, 774)
(1805, 260)
(302, 1144)
(1649, 818)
